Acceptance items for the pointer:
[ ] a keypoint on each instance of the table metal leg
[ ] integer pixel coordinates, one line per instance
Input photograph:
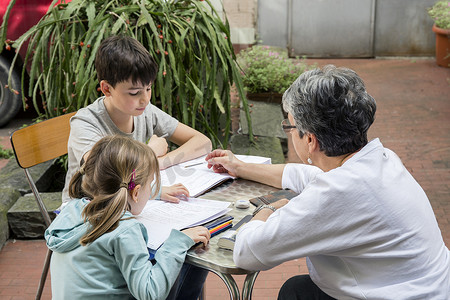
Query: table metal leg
(248, 285)
(231, 284)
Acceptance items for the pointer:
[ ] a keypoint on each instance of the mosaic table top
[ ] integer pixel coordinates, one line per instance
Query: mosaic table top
(212, 256)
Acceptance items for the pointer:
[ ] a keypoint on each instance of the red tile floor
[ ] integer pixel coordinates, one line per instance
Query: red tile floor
(413, 119)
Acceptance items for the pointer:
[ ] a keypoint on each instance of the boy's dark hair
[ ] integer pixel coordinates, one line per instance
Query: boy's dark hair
(120, 58)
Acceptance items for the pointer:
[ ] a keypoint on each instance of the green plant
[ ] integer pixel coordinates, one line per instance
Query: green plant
(269, 69)
(6, 153)
(188, 40)
(440, 13)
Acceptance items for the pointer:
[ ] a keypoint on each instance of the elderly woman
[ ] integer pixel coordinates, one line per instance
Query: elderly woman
(364, 224)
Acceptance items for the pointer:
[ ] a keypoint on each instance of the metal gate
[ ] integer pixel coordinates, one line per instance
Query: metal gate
(347, 28)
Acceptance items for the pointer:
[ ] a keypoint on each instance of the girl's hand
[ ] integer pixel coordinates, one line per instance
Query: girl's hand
(174, 192)
(199, 234)
(159, 145)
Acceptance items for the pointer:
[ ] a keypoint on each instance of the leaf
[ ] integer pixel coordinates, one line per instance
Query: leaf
(90, 12)
(96, 41)
(4, 27)
(70, 10)
(141, 21)
(198, 92)
(219, 101)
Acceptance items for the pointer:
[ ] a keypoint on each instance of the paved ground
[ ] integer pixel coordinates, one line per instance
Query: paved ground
(413, 119)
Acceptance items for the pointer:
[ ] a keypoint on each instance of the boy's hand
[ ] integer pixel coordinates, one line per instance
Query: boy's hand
(159, 145)
(174, 193)
(199, 234)
(223, 161)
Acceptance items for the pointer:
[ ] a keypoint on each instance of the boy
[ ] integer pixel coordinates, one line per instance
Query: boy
(126, 72)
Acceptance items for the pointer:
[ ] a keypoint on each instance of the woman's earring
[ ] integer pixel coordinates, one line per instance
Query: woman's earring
(309, 160)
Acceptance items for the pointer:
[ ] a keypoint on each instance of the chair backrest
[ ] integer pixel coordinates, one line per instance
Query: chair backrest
(39, 143)
(42, 141)
(36, 144)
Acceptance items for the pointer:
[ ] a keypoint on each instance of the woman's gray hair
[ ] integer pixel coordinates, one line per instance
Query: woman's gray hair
(333, 104)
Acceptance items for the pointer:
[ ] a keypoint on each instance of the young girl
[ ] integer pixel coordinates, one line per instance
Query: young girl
(99, 248)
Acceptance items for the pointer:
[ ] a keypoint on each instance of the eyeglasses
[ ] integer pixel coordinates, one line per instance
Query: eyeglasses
(286, 126)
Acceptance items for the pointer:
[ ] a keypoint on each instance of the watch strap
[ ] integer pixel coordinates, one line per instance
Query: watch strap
(259, 208)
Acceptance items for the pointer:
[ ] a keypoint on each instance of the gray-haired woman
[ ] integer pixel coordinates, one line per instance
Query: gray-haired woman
(365, 225)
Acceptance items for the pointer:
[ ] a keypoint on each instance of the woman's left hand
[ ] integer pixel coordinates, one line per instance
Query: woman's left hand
(174, 193)
(280, 203)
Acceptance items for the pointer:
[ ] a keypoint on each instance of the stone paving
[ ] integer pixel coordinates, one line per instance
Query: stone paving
(413, 119)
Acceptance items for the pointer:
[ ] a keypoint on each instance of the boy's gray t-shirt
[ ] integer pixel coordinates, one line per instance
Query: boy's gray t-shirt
(92, 123)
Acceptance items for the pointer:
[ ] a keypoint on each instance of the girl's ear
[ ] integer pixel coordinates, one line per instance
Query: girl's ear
(135, 193)
(105, 87)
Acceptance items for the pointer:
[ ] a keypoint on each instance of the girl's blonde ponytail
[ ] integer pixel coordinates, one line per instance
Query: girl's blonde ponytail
(113, 163)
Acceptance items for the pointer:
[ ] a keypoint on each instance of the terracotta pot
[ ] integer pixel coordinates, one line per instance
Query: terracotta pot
(442, 46)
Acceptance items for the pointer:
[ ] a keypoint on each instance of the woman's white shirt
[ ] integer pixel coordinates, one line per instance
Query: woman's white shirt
(367, 229)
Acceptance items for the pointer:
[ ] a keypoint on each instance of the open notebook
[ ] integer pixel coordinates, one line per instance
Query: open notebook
(196, 176)
(160, 217)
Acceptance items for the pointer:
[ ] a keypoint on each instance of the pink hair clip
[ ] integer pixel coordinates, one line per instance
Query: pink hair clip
(132, 184)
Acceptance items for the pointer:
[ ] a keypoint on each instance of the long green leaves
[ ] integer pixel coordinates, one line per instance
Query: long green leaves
(187, 39)
(4, 26)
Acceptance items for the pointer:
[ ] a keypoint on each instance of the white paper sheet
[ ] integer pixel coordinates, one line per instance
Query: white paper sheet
(161, 217)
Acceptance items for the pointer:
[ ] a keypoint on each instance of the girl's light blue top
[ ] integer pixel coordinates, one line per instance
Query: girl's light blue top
(116, 265)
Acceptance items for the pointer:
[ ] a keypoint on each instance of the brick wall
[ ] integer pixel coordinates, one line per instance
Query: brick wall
(241, 15)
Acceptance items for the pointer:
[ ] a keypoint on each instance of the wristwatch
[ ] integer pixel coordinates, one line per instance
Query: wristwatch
(262, 206)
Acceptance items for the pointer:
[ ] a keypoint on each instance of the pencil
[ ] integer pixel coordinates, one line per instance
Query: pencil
(217, 228)
(197, 164)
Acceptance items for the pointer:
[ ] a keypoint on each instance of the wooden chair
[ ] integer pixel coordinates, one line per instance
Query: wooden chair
(36, 144)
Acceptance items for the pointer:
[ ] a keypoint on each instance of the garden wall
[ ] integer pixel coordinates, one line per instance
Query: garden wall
(241, 15)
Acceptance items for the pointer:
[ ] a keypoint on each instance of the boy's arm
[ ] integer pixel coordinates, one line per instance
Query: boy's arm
(191, 142)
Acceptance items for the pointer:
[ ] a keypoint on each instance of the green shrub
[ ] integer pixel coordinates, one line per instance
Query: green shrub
(269, 69)
(6, 153)
(440, 13)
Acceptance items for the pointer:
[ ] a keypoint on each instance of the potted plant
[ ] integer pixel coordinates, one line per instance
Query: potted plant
(268, 71)
(188, 39)
(440, 13)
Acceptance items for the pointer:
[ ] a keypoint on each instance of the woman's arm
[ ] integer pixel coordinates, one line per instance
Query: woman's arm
(191, 142)
(224, 161)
